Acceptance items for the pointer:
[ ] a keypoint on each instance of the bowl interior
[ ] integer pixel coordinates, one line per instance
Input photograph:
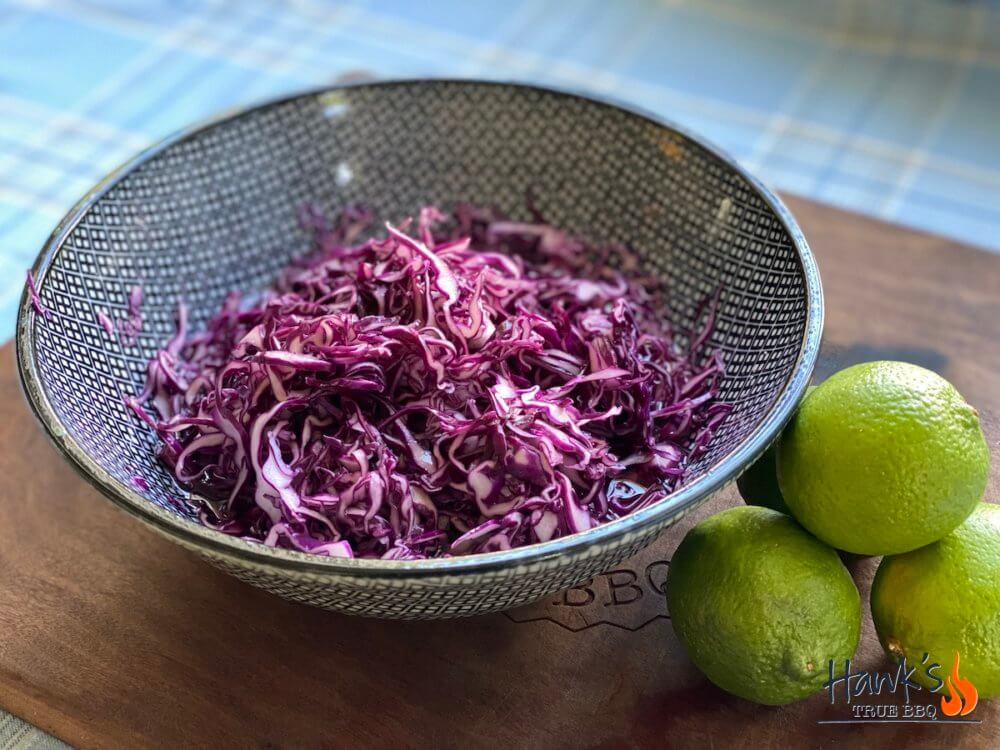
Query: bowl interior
(217, 210)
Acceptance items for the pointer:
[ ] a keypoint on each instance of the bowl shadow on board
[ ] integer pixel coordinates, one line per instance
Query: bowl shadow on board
(836, 357)
(218, 613)
(229, 637)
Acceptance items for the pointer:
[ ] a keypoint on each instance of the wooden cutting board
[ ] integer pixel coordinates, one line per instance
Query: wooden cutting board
(113, 637)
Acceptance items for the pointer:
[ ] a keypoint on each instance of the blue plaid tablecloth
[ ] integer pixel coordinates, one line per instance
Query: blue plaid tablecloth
(888, 107)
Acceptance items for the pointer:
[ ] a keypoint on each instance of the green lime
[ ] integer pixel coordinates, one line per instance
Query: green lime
(758, 485)
(944, 599)
(761, 606)
(882, 458)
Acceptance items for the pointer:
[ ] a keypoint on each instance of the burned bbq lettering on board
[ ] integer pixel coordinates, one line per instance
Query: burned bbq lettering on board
(622, 591)
(571, 597)
(629, 597)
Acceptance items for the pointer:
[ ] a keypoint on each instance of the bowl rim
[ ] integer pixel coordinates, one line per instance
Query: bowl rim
(193, 534)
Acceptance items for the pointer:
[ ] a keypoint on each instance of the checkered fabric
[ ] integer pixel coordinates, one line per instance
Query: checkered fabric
(888, 107)
(16, 734)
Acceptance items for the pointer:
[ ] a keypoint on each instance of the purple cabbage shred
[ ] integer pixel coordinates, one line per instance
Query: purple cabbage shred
(106, 323)
(459, 384)
(36, 301)
(130, 326)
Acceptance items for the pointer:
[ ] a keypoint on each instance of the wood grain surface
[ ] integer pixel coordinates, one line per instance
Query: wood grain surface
(113, 637)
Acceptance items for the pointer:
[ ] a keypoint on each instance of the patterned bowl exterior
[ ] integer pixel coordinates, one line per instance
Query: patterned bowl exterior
(214, 209)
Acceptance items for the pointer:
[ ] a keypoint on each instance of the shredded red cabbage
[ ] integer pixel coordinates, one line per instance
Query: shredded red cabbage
(464, 384)
(36, 301)
(105, 322)
(130, 326)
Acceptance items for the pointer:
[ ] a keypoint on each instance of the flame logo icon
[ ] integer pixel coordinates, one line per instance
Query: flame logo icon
(962, 694)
